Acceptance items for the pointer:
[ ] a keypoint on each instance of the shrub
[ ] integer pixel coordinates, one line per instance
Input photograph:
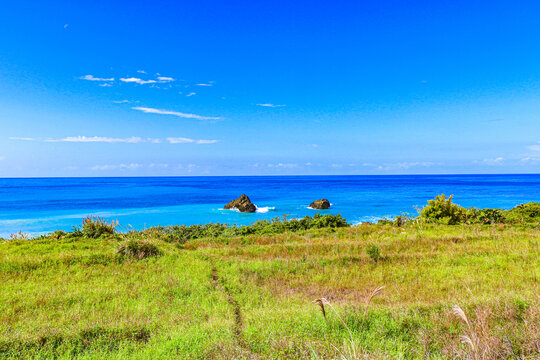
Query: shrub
(94, 226)
(374, 252)
(328, 221)
(184, 233)
(400, 220)
(485, 216)
(138, 250)
(57, 235)
(19, 236)
(441, 210)
(524, 213)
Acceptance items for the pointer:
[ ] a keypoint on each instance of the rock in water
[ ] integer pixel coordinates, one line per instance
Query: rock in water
(242, 204)
(322, 204)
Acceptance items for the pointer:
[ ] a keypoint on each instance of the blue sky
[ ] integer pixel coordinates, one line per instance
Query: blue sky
(132, 88)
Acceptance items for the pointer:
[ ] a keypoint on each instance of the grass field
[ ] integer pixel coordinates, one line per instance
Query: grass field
(255, 296)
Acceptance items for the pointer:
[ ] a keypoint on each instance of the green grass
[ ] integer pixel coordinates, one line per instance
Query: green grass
(69, 296)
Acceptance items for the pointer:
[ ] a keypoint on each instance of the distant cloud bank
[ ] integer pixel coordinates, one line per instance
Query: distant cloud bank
(113, 140)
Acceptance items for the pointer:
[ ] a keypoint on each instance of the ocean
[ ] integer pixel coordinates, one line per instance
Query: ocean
(41, 205)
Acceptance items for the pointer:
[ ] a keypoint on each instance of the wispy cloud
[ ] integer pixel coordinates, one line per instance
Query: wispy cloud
(402, 165)
(283, 165)
(204, 84)
(534, 147)
(165, 79)
(182, 140)
(174, 113)
(92, 78)
(131, 166)
(137, 81)
(494, 161)
(101, 139)
(191, 94)
(121, 101)
(113, 140)
(270, 105)
(22, 138)
(141, 71)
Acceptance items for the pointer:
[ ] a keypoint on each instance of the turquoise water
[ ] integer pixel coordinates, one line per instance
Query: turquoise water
(40, 205)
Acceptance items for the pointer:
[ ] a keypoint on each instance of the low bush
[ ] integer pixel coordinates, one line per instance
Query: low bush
(524, 213)
(374, 252)
(441, 210)
(138, 250)
(485, 216)
(184, 233)
(94, 226)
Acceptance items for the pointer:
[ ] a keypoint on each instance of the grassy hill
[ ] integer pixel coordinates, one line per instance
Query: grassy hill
(417, 290)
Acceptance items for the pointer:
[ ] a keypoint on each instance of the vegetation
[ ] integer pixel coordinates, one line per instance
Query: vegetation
(442, 210)
(94, 227)
(138, 250)
(311, 288)
(184, 233)
(374, 252)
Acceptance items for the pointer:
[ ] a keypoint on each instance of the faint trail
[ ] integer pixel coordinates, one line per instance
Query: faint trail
(238, 320)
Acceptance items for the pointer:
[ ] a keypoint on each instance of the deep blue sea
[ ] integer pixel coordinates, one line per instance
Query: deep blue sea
(40, 205)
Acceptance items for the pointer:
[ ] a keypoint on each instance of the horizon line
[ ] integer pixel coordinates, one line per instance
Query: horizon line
(271, 175)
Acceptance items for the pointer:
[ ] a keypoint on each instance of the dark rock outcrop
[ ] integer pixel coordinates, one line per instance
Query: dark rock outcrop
(242, 204)
(321, 204)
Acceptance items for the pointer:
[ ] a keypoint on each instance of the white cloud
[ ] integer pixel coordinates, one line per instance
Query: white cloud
(21, 138)
(204, 84)
(191, 94)
(100, 139)
(66, 26)
(129, 140)
(92, 78)
(404, 165)
(174, 113)
(132, 166)
(530, 159)
(137, 81)
(283, 165)
(121, 101)
(165, 79)
(314, 145)
(153, 165)
(182, 140)
(105, 85)
(534, 147)
(141, 71)
(270, 105)
(491, 162)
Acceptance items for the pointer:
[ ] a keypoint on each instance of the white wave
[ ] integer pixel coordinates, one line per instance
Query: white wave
(231, 209)
(264, 209)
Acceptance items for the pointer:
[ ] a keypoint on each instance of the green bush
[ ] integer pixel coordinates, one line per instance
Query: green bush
(441, 210)
(374, 252)
(485, 216)
(94, 226)
(184, 233)
(138, 250)
(524, 213)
